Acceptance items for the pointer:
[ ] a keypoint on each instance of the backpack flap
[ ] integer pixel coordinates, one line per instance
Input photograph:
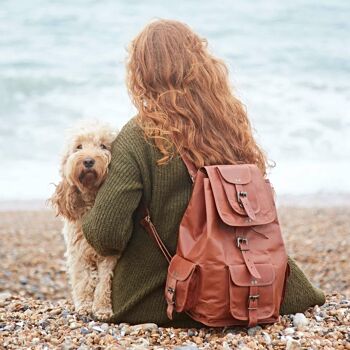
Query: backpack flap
(242, 197)
(241, 201)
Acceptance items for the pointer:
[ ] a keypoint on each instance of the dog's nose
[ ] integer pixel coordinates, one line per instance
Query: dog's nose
(88, 163)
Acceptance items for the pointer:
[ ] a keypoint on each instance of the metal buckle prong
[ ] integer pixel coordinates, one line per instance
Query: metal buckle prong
(254, 297)
(241, 240)
(239, 195)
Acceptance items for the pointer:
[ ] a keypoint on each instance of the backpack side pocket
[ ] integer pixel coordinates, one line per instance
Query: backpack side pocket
(181, 285)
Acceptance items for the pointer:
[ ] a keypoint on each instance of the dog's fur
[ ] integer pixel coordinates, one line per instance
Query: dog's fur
(89, 273)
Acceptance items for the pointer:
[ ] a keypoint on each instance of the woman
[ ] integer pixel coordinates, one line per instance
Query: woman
(185, 105)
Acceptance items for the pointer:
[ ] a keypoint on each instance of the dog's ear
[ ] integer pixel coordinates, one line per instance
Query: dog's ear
(66, 200)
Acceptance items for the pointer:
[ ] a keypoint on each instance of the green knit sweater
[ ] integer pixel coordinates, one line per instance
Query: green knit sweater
(112, 227)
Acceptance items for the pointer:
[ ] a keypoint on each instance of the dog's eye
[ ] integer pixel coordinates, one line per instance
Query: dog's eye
(80, 147)
(103, 146)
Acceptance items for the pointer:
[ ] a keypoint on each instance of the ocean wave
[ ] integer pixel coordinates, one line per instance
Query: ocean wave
(289, 64)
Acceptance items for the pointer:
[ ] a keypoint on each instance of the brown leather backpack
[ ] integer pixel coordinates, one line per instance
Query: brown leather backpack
(230, 266)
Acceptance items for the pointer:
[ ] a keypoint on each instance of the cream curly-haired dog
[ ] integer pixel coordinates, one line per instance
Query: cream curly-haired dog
(83, 169)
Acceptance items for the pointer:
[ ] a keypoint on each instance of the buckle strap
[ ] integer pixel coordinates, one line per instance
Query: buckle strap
(170, 296)
(253, 305)
(243, 201)
(242, 245)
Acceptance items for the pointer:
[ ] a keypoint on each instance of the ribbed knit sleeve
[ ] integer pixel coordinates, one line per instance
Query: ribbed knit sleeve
(108, 225)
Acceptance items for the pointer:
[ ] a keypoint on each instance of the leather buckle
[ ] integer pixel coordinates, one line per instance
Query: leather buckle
(171, 300)
(241, 240)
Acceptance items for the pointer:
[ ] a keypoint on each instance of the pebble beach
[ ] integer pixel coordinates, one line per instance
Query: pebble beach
(36, 311)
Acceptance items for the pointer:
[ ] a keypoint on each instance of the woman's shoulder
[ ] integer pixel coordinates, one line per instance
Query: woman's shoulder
(130, 136)
(130, 129)
(131, 142)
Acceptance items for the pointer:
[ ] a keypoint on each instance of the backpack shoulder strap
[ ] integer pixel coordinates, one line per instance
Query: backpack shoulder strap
(191, 168)
(146, 221)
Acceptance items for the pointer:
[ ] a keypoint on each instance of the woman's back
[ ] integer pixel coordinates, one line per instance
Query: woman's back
(185, 105)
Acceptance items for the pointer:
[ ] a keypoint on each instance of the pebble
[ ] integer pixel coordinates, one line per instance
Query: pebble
(293, 345)
(267, 338)
(289, 331)
(73, 325)
(35, 340)
(318, 318)
(43, 324)
(144, 327)
(299, 320)
(254, 330)
(191, 332)
(85, 330)
(65, 313)
(23, 280)
(105, 327)
(225, 346)
(83, 347)
(97, 329)
(4, 295)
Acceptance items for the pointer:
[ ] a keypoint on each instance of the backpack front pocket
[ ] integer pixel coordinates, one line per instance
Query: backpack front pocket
(181, 284)
(245, 289)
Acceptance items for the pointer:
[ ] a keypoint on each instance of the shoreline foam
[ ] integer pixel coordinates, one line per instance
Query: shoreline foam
(316, 200)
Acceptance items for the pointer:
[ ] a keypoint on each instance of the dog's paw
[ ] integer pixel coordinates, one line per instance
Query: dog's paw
(84, 308)
(102, 313)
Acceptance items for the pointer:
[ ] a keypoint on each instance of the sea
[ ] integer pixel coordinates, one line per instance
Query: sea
(289, 63)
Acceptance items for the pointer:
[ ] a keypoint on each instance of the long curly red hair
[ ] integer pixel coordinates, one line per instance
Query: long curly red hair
(184, 99)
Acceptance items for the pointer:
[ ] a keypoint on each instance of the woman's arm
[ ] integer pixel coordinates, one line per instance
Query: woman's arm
(109, 224)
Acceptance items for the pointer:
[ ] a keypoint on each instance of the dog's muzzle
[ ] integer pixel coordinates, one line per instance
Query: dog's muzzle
(88, 178)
